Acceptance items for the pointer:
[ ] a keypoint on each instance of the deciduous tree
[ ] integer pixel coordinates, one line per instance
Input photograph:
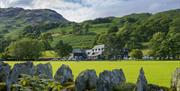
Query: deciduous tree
(63, 49)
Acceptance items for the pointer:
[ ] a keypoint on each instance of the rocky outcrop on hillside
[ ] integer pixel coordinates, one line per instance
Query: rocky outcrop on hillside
(30, 16)
(86, 80)
(11, 18)
(64, 74)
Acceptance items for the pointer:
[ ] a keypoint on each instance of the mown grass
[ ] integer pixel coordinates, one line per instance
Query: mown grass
(156, 72)
(49, 54)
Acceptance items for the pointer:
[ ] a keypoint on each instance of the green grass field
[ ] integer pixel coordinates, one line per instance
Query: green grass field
(77, 41)
(156, 72)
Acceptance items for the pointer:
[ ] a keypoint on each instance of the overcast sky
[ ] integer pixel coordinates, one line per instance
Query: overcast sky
(80, 10)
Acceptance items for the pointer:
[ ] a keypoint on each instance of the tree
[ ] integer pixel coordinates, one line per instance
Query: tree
(86, 28)
(136, 54)
(46, 38)
(113, 29)
(31, 32)
(46, 45)
(101, 39)
(77, 29)
(114, 46)
(166, 46)
(25, 49)
(63, 49)
(173, 44)
(155, 44)
(133, 43)
(3, 44)
(150, 53)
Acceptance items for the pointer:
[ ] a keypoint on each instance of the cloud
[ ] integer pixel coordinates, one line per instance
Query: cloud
(80, 10)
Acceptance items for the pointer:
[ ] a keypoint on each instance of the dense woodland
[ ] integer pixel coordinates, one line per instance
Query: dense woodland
(155, 35)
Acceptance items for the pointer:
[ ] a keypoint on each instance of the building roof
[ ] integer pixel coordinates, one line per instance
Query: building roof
(98, 46)
(78, 51)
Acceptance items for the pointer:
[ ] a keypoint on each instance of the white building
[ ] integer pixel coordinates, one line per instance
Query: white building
(96, 52)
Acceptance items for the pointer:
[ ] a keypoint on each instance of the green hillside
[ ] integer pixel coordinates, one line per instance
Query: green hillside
(141, 26)
(136, 29)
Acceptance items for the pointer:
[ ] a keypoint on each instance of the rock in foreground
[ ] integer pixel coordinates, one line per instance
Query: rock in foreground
(175, 83)
(141, 84)
(86, 80)
(4, 72)
(44, 70)
(108, 80)
(21, 68)
(64, 74)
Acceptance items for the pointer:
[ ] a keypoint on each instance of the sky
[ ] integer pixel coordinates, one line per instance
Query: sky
(80, 10)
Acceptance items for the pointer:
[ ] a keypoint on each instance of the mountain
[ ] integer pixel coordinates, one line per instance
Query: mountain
(15, 18)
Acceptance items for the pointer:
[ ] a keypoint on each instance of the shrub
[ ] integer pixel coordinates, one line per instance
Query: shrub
(136, 54)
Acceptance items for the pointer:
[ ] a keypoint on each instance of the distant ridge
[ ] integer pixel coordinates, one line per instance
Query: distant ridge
(19, 17)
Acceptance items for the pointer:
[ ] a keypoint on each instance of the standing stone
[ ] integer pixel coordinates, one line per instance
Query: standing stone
(21, 68)
(64, 74)
(141, 84)
(86, 81)
(44, 70)
(110, 79)
(4, 74)
(4, 71)
(118, 76)
(175, 82)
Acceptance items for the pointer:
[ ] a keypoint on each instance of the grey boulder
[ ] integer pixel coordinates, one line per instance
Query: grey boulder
(86, 80)
(108, 80)
(4, 71)
(64, 74)
(44, 70)
(175, 82)
(21, 68)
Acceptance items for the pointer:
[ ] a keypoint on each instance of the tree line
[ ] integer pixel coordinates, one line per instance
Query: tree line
(161, 45)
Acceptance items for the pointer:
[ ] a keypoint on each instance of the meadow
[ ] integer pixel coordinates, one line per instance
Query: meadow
(156, 72)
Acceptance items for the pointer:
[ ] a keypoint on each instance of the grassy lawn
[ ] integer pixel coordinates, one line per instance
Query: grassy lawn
(49, 54)
(156, 72)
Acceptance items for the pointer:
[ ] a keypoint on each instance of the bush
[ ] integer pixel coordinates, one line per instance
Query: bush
(136, 54)
(2, 86)
(25, 49)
